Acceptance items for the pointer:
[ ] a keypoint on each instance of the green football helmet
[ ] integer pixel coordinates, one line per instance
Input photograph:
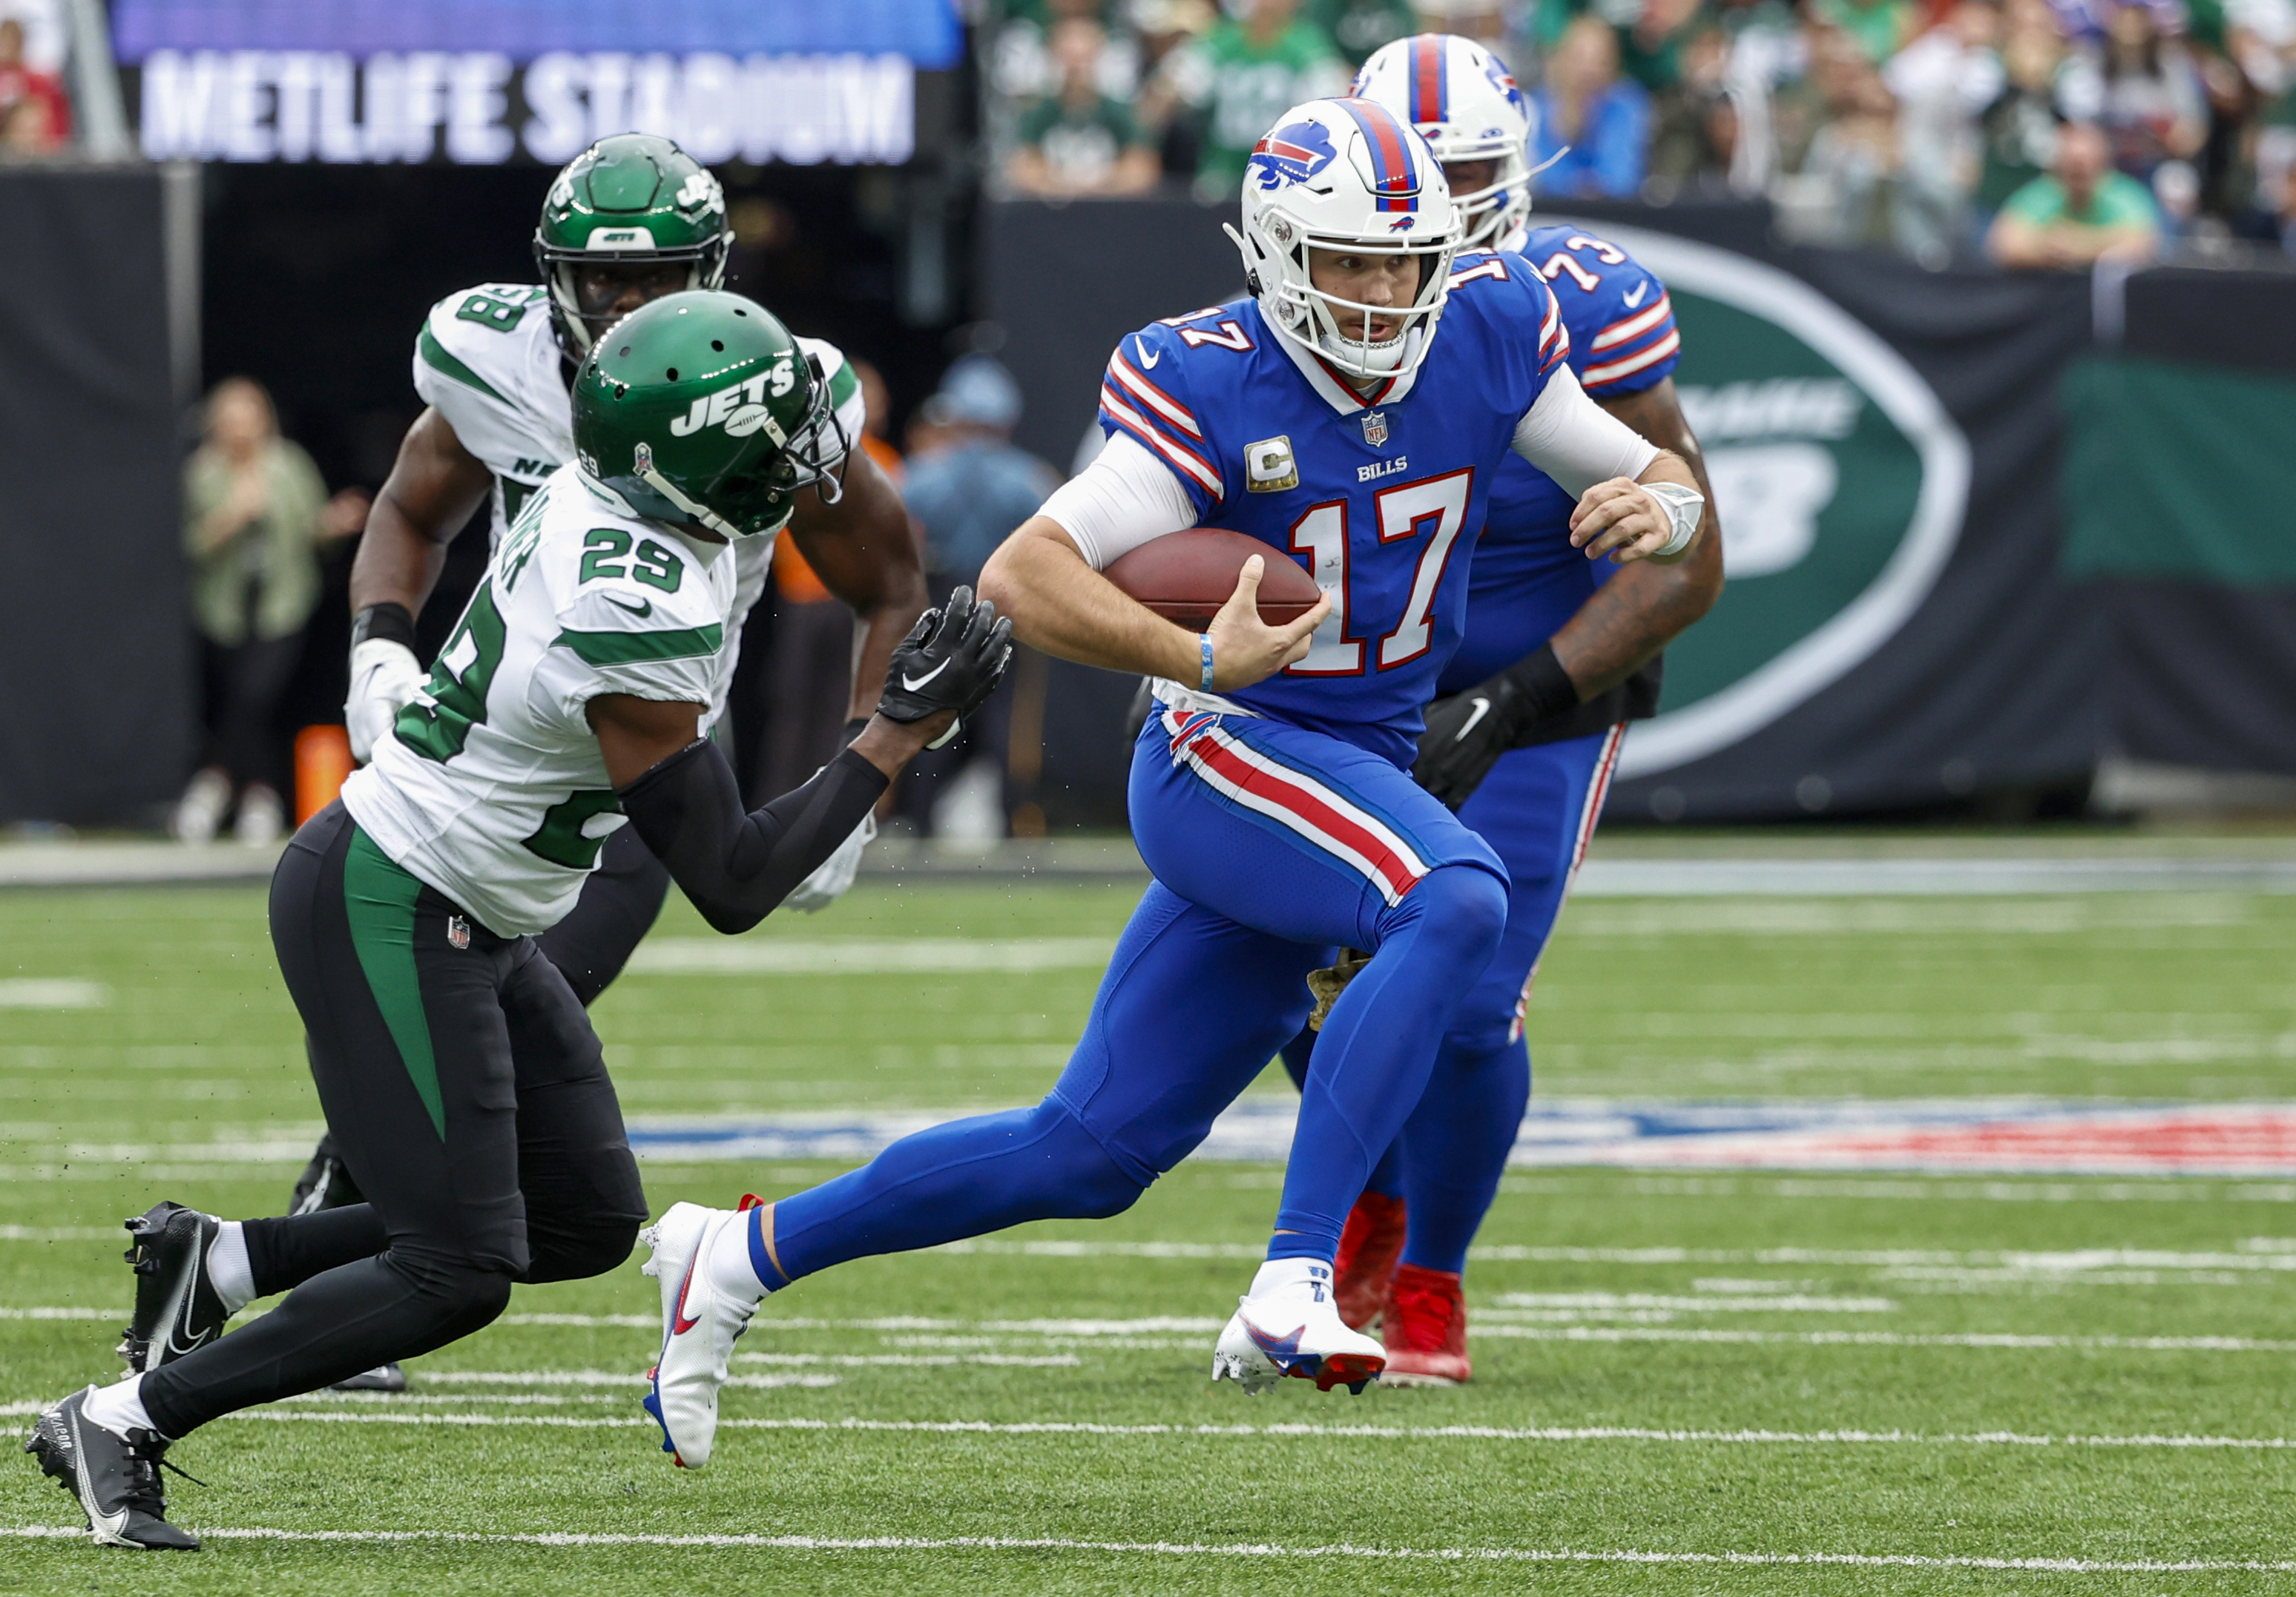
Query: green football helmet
(631, 200)
(700, 410)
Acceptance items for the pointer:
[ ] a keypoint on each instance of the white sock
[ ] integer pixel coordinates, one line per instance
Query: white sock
(1299, 1276)
(119, 1407)
(228, 1269)
(729, 1261)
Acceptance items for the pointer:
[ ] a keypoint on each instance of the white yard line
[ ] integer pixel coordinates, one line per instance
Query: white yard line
(1390, 1433)
(936, 1360)
(865, 956)
(52, 993)
(800, 1544)
(1486, 1327)
(596, 1377)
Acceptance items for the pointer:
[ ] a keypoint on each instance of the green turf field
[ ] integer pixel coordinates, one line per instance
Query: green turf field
(2080, 1372)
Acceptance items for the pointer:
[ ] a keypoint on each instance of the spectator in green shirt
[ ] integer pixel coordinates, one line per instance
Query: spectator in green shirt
(1242, 77)
(2082, 213)
(1079, 141)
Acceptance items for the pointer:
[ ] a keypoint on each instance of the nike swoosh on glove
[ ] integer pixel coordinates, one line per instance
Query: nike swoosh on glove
(953, 659)
(384, 676)
(1467, 732)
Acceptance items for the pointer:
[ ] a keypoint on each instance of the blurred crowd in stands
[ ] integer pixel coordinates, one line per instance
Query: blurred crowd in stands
(2037, 132)
(36, 120)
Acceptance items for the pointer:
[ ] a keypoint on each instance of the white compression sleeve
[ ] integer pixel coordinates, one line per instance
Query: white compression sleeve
(1576, 441)
(1124, 498)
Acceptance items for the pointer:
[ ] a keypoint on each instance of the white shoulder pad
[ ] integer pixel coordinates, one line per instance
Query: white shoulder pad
(488, 361)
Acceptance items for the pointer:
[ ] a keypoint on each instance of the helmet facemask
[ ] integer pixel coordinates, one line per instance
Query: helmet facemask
(579, 321)
(1499, 207)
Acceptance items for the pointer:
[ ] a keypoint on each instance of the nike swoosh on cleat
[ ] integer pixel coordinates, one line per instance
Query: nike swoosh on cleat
(106, 1526)
(913, 683)
(678, 1323)
(644, 608)
(1482, 708)
(1635, 299)
(177, 1303)
(1146, 359)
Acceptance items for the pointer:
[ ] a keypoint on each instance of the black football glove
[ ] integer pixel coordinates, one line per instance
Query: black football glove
(1467, 732)
(953, 659)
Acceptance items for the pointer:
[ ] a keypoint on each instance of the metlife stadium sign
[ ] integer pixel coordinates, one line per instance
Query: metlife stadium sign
(482, 82)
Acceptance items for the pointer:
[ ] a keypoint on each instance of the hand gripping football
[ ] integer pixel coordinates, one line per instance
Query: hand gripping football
(1186, 577)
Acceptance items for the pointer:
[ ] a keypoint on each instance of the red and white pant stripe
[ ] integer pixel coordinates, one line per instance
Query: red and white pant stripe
(1326, 817)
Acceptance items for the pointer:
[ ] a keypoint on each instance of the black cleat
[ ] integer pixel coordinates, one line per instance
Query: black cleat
(326, 1182)
(177, 1309)
(382, 1378)
(115, 1478)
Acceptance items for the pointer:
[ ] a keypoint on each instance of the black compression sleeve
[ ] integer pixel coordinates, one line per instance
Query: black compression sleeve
(737, 867)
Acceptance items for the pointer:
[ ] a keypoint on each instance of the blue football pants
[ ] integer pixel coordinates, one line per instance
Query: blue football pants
(1537, 810)
(1271, 846)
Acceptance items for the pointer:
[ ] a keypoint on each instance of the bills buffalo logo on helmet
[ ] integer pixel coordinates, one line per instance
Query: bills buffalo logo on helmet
(1293, 153)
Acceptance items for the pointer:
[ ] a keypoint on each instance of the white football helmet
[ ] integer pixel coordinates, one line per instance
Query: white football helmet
(1347, 174)
(1464, 103)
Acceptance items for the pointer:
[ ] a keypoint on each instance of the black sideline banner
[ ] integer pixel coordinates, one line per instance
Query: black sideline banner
(97, 649)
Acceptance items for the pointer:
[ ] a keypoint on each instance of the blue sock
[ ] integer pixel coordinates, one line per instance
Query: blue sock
(1377, 1048)
(959, 1180)
(1456, 1144)
(1386, 1176)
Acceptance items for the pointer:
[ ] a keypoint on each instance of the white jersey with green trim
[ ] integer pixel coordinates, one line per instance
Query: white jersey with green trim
(487, 360)
(491, 787)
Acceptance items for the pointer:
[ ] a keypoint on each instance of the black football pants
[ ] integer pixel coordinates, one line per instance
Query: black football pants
(468, 1095)
(618, 905)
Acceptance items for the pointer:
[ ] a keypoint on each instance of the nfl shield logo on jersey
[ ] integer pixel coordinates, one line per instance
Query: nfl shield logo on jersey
(1374, 426)
(458, 931)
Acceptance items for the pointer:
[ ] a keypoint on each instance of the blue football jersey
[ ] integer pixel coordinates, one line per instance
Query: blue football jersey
(1528, 580)
(1379, 498)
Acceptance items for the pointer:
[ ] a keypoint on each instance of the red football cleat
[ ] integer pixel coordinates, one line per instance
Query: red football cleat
(1369, 1246)
(1425, 1324)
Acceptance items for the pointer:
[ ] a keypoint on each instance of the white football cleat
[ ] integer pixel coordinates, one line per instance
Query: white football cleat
(1289, 1324)
(699, 1324)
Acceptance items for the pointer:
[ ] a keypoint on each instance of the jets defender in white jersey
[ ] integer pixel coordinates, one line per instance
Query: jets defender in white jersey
(630, 219)
(457, 1070)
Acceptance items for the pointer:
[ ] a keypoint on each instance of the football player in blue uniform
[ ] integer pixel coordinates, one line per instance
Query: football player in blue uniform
(1352, 414)
(1559, 654)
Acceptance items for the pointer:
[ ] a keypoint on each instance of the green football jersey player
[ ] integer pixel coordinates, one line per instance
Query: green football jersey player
(459, 1071)
(630, 219)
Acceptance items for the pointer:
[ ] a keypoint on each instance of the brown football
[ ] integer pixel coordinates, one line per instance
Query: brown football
(1186, 577)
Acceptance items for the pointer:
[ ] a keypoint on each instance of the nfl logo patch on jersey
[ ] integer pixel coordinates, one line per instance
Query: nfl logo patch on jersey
(1374, 426)
(458, 931)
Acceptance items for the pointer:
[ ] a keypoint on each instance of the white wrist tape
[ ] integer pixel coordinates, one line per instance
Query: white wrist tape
(1684, 509)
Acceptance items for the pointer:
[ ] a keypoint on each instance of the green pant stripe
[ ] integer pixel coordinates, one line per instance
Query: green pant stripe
(379, 898)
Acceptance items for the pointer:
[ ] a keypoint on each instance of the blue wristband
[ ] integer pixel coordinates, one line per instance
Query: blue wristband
(1206, 684)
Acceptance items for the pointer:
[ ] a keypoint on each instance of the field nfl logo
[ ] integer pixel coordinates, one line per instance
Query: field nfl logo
(1374, 426)
(458, 931)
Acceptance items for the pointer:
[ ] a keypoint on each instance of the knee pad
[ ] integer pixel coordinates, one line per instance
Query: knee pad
(1095, 1182)
(578, 1252)
(464, 1294)
(1464, 908)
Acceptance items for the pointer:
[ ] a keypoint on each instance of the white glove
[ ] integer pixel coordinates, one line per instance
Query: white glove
(384, 676)
(834, 874)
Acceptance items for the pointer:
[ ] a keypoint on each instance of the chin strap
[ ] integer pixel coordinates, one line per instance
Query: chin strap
(692, 507)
